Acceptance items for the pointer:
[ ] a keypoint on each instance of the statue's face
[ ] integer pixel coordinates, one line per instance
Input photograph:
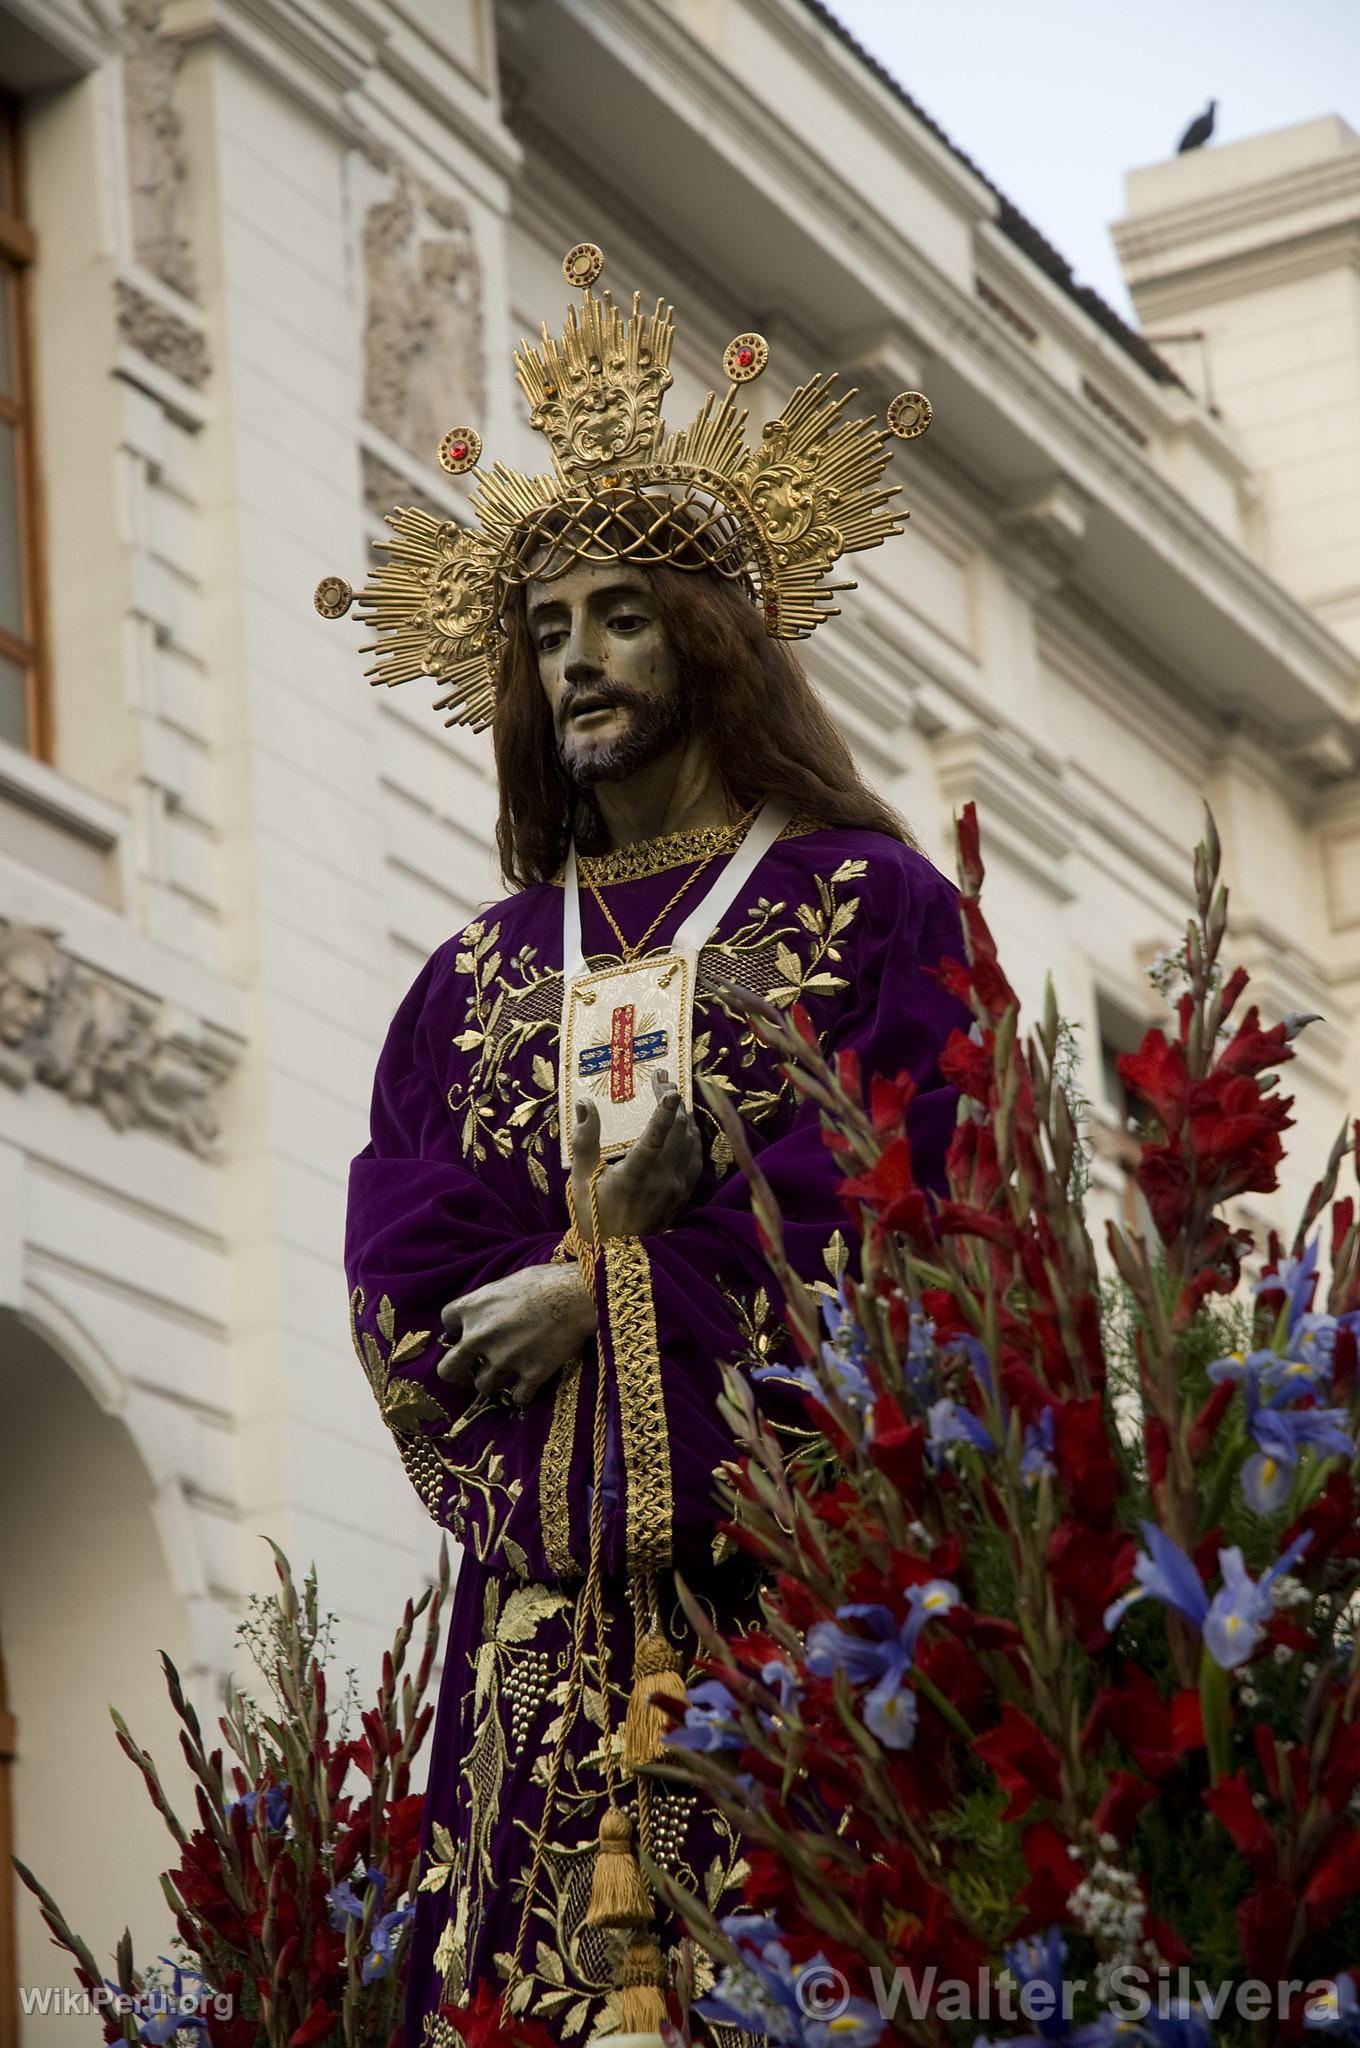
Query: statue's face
(606, 668)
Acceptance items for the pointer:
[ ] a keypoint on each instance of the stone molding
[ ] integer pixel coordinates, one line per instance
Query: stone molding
(144, 1064)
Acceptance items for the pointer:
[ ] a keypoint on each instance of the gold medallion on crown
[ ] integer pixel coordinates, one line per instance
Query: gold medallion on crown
(773, 512)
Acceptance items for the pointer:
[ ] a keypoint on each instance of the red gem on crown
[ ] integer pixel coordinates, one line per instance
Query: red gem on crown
(458, 449)
(746, 356)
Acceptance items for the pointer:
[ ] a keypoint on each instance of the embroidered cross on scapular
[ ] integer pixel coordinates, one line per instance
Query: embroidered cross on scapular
(625, 1050)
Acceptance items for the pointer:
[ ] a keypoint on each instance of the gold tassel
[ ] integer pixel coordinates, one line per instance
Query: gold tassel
(656, 1675)
(618, 1895)
(642, 1998)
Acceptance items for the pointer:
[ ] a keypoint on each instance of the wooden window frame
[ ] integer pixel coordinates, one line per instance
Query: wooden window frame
(18, 251)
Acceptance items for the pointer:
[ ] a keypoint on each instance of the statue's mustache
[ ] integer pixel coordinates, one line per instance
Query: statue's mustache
(617, 696)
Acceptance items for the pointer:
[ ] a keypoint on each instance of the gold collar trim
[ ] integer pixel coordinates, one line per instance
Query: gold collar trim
(671, 850)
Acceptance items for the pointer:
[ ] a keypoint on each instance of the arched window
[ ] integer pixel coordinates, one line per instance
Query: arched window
(22, 705)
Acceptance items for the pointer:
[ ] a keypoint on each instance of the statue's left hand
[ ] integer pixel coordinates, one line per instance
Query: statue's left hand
(512, 1335)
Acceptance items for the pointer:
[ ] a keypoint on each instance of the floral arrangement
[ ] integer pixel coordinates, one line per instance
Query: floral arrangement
(292, 1896)
(1053, 1734)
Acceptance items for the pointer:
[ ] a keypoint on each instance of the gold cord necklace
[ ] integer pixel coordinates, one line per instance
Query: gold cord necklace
(630, 953)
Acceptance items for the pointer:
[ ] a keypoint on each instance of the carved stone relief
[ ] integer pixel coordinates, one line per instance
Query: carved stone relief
(423, 367)
(161, 336)
(69, 1029)
(155, 146)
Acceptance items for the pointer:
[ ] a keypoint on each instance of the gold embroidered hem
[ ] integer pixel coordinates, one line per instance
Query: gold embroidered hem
(554, 1476)
(670, 850)
(642, 1413)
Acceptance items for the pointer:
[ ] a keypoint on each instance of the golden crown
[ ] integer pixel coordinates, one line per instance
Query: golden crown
(775, 516)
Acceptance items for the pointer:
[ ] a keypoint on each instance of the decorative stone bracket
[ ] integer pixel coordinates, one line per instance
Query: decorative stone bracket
(144, 1064)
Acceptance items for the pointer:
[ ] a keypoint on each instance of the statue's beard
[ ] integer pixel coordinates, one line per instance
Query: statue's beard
(657, 722)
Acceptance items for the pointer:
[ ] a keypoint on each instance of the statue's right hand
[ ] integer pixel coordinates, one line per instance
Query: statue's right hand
(647, 1188)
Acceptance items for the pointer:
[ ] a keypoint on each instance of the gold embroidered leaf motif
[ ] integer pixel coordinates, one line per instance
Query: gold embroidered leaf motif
(446, 1949)
(405, 1406)
(574, 2020)
(409, 1346)
(850, 871)
(386, 1317)
(463, 963)
(526, 1608)
(808, 918)
(548, 1964)
(537, 1174)
(468, 1041)
(788, 963)
(515, 1557)
(443, 1842)
(544, 1073)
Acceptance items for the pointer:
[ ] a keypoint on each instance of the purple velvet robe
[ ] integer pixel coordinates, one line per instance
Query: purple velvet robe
(460, 1184)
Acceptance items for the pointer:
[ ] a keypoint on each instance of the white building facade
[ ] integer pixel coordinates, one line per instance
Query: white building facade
(258, 255)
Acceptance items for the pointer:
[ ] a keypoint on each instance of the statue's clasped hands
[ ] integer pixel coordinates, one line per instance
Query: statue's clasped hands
(510, 1336)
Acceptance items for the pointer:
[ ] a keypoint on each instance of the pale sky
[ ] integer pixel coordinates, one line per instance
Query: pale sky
(1055, 99)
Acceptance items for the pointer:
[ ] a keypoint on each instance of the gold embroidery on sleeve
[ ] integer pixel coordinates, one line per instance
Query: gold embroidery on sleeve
(646, 1451)
(555, 1471)
(405, 1406)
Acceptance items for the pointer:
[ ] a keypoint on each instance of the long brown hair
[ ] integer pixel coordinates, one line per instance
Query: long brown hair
(748, 700)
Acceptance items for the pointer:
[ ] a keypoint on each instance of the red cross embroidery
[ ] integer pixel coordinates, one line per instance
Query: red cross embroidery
(621, 1054)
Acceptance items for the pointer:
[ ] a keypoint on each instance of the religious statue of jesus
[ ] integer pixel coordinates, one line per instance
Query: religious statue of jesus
(550, 1244)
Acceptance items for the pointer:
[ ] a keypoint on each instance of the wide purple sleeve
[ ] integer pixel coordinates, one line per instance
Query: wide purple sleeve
(673, 1305)
(421, 1230)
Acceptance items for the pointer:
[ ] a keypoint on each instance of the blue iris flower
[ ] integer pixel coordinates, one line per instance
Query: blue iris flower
(1037, 1456)
(1294, 1278)
(843, 1358)
(275, 1806)
(768, 1993)
(884, 1656)
(1242, 1606)
(343, 1903)
(1335, 2011)
(1182, 2025)
(163, 2012)
(1165, 1573)
(1281, 1433)
(382, 1941)
(710, 1720)
(952, 1423)
(1232, 1621)
(1041, 1962)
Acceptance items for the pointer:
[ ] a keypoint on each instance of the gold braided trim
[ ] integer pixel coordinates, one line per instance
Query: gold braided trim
(637, 1360)
(554, 1472)
(670, 850)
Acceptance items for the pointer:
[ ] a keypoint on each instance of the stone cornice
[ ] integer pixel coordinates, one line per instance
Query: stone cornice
(1313, 198)
(1003, 377)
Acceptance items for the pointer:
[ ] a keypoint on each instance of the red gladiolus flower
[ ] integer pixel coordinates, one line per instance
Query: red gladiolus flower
(1335, 1879)
(1089, 1568)
(1230, 1802)
(898, 1449)
(479, 2023)
(891, 1192)
(1087, 1471)
(315, 2027)
(1024, 1760)
(1158, 1075)
(1265, 1923)
(1121, 1802)
(1054, 1876)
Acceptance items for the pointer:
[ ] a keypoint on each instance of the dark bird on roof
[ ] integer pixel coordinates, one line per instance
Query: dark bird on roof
(1199, 131)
